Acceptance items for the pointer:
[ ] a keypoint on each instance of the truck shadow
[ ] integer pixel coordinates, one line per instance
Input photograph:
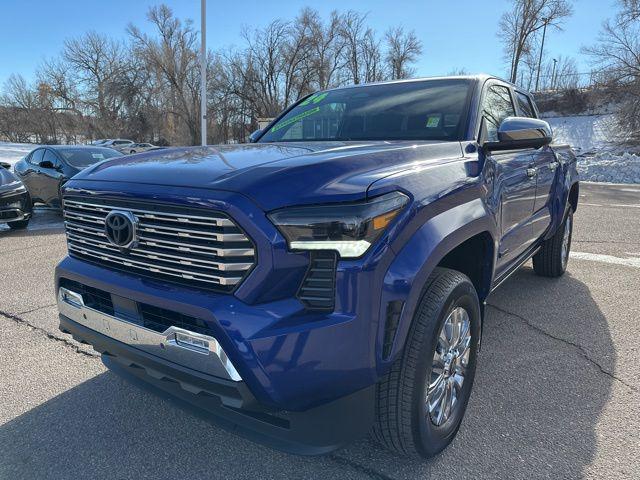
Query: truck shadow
(536, 401)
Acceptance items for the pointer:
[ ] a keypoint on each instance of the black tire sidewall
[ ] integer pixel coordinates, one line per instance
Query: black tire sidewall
(429, 438)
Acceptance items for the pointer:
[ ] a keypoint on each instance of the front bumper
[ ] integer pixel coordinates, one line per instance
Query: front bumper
(14, 206)
(290, 358)
(219, 394)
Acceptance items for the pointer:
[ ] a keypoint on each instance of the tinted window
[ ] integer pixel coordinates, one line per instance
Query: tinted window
(36, 156)
(524, 105)
(49, 156)
(496, 106)
(425, 110)
(83, 157)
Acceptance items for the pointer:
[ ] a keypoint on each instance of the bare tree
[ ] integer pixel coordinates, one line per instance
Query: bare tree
(327, 46)
(403, 49)
(616, 61)
(173, 57)
(147, 87)
(630, 10)
(353, 30)
(519, 27)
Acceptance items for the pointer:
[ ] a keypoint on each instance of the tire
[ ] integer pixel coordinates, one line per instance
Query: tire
(18, 225)
(405, 423)
(552, 259)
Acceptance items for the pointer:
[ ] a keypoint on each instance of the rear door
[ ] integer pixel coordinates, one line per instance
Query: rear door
(545, 164)
(514, 183)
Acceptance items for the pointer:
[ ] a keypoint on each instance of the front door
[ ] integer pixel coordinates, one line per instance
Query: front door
(545, 164)
(515, 180)
(50, 178)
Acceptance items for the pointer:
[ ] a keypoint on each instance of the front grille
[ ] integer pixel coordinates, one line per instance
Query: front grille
(148, 316)
(159, 319)
(92, 297)
(193, 247)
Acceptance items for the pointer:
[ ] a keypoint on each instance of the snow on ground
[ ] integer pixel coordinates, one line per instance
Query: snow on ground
(12, 152)
(597, 141)
(587, 134)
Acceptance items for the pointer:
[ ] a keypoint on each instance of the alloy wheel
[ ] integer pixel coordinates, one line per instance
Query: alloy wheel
(449, 366)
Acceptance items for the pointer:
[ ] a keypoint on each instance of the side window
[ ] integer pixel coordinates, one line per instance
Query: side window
(496, 106)
(524, 105)
(36, 156)
(49, 156)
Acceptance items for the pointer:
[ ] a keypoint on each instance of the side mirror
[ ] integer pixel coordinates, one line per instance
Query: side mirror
(5, 165)
(46, 164)
(254, 136)
(520, 133)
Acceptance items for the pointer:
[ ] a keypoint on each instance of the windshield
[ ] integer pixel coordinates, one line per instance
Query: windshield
(84, 157)
(422, 110)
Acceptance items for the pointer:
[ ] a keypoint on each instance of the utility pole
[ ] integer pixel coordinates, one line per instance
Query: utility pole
(553, 75)
(544, 33)
(203, 71)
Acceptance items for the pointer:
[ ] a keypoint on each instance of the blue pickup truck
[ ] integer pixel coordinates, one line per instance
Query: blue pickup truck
(329, 278)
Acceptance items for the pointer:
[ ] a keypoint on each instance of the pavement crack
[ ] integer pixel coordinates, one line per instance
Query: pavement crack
(33, 309)
(21, 321)
(583, 353)
(370, 472)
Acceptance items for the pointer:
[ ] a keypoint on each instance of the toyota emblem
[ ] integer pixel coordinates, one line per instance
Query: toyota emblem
(120, 228)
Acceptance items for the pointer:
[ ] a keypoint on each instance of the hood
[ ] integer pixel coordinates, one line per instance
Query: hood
(274, 174)
(8, 181)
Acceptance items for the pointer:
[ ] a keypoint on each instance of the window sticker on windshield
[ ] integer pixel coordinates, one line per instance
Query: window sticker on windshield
(291, 120)
(99, 156)
(433, 121)
(315, 99)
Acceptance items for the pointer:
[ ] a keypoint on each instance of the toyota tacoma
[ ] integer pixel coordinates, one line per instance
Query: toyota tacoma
(329, 278)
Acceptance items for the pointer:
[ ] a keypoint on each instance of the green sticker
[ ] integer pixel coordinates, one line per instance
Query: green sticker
(291, 120)
(433, 122)
(315, 99)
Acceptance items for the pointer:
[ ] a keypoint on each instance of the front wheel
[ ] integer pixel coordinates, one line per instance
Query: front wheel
(552, 259)
(422, 401)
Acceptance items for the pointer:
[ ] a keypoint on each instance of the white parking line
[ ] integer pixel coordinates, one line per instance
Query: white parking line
(617, 205)
(596, 257)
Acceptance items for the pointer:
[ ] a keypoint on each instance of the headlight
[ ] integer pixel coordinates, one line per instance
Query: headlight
(349, 228)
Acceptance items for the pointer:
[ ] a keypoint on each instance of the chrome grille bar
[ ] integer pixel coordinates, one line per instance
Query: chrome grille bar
(174, 243)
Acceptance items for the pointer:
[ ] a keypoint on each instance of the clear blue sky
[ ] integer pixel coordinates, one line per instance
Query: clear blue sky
(455, 33)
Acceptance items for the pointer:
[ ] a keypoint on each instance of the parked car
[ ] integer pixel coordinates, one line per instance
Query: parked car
(100, 141)
(138, 147)
(331, 277)
(46, 169)
(119, 144)
(15, 203)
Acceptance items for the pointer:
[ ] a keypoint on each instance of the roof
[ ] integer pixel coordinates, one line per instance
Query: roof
(83, 147)
(479, 77)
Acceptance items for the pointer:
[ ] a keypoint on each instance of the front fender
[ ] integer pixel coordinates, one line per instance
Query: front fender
(414, 262)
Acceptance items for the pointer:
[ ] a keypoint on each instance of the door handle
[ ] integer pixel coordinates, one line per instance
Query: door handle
(532, 172)
(553, 166)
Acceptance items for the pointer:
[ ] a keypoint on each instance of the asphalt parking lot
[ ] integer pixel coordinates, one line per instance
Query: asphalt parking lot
(557, 393)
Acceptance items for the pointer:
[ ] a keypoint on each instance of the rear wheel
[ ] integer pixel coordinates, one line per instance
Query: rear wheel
(552, 259)
(422, 401)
